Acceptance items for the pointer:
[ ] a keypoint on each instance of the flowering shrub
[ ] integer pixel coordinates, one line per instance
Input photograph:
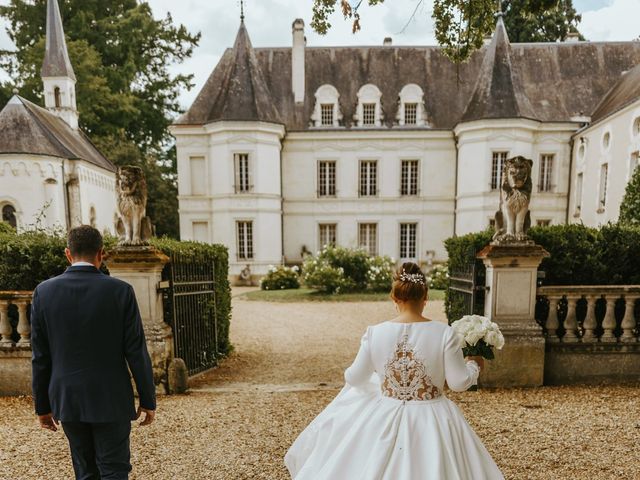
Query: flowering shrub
(281, 278)
(320, 275)
(380, 274)
(438, 277)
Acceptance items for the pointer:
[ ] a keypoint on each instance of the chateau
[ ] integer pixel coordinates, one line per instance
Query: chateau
(395, 149)
(50, 172)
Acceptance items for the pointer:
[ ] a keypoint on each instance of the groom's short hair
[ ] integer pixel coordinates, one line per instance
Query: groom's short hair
(84, 241)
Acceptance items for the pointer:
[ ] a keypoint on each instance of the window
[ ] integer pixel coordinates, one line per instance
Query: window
(497, 161)
(546, 173)
(201, 231)
(634, 162)
(369, 114)
(408, 240)
(9, 215)
(636, 127)
(245, 240)
(326, 179)
(410, 113)
(409, 178)
(411, 110)
(56, 97)
(326, 234)
(243, 184)
(578, 199)
(92, 217)
(543, 222)
(326, 113)
(368, 178)
(604, 173)
(368, 237)
(198, 176)
(606, 140)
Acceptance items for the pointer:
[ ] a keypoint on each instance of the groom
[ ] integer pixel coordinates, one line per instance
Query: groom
(85, 331)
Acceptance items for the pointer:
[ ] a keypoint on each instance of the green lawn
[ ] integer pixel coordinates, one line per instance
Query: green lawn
(308, 295)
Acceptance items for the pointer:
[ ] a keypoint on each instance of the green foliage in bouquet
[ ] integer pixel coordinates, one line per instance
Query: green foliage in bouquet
(281, 278)
(480, 349)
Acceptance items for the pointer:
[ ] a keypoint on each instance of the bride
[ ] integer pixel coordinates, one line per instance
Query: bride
(392, 420)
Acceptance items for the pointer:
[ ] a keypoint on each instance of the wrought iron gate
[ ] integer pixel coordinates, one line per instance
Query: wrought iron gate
(190, 308)
(465, 296)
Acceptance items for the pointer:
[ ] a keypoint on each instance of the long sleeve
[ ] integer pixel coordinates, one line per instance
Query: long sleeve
(362, 367)
(40, 360)
(460, 375)
(135, 350)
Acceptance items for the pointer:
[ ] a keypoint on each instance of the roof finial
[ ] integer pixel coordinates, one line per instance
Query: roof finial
(499, 12)
(242, 10)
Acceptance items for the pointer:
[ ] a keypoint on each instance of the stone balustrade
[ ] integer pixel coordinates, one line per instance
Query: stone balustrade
(601, 314)
(20, 337)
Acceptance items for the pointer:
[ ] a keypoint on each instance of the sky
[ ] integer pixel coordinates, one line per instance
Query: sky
(269, 25)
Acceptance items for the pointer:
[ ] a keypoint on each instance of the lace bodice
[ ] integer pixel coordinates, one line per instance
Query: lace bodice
(406, 376)
(412, 361)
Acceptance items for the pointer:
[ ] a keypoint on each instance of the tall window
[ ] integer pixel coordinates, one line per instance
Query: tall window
(368, 178)
(578, 201)
(245, 240)
(9, 215)
(56, 97)
(497, 162)
(410, 113)
(92, 217)
(243, 182)
(326, 114)
(369, 114)
(409, 177)
(408, 233)
(326, 234)
(326, 179)
(604, 173)
(546, 173)
(198, 177)
(634, 162)
(368, 237)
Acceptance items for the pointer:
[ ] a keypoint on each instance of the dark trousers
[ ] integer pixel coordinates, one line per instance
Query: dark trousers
(100, 451)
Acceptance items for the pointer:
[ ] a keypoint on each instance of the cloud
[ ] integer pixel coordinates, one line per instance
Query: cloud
(618, 20)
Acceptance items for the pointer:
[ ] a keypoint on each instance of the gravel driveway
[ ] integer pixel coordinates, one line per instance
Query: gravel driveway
(238, 420)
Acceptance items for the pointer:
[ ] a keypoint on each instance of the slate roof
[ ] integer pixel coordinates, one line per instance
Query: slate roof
(236, 90)
(549, 81)
(622, 94)
(26, 128)
(56, 58)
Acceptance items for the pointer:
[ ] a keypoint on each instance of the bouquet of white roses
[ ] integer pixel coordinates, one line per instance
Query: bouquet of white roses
(479, 335)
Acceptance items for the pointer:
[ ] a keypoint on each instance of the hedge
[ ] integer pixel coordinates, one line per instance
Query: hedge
(580, 255)
(28, 258)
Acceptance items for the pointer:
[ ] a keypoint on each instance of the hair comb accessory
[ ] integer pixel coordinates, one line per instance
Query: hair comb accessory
(412, 277)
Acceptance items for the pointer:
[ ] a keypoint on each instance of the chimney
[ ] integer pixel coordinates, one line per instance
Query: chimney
(297, 61)
(572, 37)
(388, 41)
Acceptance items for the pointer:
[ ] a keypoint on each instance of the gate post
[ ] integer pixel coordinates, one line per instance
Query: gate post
(141, 267)
(510, 302)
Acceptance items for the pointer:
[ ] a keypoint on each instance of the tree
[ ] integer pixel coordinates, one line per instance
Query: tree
(630, 206)
(126, 95)
(462, 25)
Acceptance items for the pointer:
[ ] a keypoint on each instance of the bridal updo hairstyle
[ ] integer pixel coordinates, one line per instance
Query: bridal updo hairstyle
(409, 284)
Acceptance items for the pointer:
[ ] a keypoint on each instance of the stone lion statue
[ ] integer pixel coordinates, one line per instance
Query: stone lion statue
(133, 226)
(514, 219)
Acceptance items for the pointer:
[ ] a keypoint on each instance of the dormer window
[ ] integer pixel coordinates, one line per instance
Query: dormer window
(327, 110)
(411, 111)
(326, 113)
(369, 112)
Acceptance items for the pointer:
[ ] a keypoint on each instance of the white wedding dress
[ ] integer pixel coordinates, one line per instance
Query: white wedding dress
(392, 420)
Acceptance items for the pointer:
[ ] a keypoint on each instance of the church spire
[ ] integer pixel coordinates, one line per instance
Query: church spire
(57, 73)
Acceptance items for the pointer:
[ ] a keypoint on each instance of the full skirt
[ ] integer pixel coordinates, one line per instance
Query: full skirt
(362, 435)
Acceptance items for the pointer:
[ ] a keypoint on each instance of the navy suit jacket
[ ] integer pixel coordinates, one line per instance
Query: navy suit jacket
(85, 330)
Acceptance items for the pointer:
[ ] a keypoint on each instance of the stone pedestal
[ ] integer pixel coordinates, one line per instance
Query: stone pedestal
(512, 272)
(141, 267)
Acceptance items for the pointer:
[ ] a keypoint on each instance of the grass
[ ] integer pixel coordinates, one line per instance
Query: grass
(308, 295)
